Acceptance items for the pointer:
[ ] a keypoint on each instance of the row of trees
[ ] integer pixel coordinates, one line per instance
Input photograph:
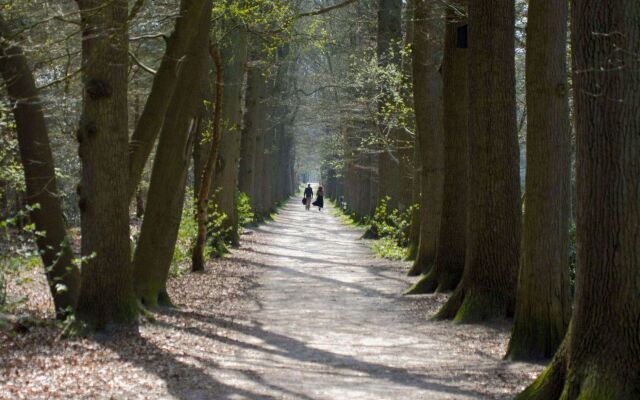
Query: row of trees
(213, 101)
(429, 103)
(501, 245)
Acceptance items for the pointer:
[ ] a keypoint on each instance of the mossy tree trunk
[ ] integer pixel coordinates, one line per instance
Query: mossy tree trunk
(106, 291)
(488, 286)
(159, 231)
(450, 248)
(63, 275)
(602, 357)
(427, 95)
(543, 304)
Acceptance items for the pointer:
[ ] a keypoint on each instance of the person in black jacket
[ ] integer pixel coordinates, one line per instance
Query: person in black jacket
(308, 195)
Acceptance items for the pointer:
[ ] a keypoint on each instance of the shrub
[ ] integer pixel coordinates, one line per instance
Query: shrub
(246, 215)
(392, 224)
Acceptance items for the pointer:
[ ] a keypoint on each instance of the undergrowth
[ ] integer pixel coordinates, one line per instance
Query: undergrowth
(18, 253)
(389, 228)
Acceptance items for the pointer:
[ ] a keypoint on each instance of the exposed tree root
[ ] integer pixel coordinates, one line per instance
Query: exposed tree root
(425, 284)
(450, 308)
(418, 268)
(164, 300)
(549, 385)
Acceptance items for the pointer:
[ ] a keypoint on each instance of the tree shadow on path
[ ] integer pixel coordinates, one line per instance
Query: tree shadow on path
(298, 351)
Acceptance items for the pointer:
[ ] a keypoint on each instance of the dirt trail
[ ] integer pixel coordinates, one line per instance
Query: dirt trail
(301, 311)
(329, 323)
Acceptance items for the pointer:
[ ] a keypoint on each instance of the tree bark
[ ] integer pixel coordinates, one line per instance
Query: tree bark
(63, 275)
(234, 57)
(543, 305)
(202, 200)
(254, 100)
(449, 258)
(406, 141)
(602, 360)
(106, 291)
(427, 94)
(488, 286)
(389, 41)
(159, 231)
(164, 84)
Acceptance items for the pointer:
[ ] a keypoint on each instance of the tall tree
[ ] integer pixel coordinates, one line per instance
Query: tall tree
(450, 247)
(488, 286)
(202, 198)
(164, 84)
(106, 292)
(159, 231)
(543, 300)
(427, 97)
(40, 178)
(234, 58)
(254, 100)
(600, 356)
(389, 42)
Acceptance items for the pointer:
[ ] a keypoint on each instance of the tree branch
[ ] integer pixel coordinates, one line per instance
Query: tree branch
(141, 65)
(326, 10)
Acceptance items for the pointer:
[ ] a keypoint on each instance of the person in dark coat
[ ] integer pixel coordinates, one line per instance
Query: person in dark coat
(308, 195)
(319, 199)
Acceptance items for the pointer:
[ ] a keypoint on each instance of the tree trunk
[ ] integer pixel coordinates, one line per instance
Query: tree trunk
(449, 259)
(414, 233)
(254, 99)
(106, 291)
(543, 304)
(164, 84)
(388, 50)
(201, 144)
(258, 172)
(234, 57)
(39, 175)
(406, 141)
(427, 94)
(488, 286)
(202, 200)
(266, 182)
(159, 230)
(602, 357)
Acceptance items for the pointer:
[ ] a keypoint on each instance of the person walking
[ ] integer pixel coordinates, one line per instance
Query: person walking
(308, 195)
(319, 199)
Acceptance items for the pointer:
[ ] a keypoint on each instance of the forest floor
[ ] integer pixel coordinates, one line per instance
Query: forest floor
(303, 310)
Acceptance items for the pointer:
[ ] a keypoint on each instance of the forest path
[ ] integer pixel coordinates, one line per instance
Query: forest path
(328, 322)
(302, 310)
